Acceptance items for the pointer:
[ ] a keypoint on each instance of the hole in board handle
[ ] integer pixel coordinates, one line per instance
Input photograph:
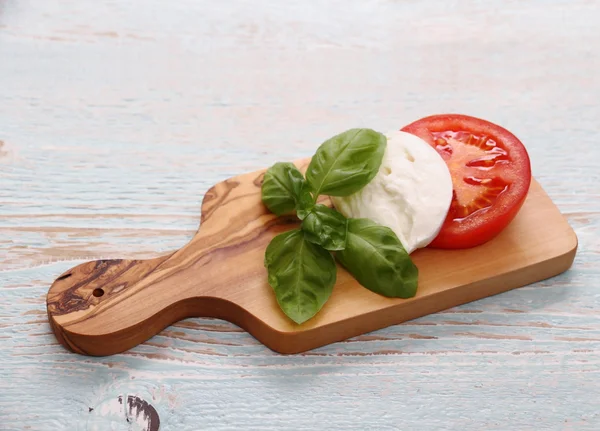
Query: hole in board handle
(98, 292)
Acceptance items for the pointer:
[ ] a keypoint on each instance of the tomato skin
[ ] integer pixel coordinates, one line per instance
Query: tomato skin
(513, 169)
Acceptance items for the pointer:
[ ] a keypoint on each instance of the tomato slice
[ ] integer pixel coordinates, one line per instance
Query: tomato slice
(491, 175)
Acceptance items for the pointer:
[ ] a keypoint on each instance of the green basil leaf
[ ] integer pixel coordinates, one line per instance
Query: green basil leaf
(305, 202)
(376, 258)
(326, 227)
(301, 273)
(281, 188)
(346, 163)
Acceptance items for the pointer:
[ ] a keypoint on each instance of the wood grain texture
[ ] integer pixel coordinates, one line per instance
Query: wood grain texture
(115, 117)
(106, 307)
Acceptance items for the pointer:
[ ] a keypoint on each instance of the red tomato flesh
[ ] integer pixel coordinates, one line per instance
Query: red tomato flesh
(491, 175)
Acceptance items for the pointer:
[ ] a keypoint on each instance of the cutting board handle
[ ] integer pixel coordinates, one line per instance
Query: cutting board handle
(88, 305)
(77, 293)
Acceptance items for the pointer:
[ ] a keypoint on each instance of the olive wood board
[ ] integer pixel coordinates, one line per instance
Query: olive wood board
(105, 307)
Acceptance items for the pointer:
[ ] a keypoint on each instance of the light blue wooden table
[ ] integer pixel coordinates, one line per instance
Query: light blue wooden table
(117, 116)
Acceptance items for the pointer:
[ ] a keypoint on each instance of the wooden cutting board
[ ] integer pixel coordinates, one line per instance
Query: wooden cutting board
(108, 306)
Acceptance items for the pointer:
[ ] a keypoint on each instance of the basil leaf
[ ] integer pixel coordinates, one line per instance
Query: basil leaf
(326, 227)
(376, 258)
(281, 187)
(305, 202)
(346, 163)
(301, 273)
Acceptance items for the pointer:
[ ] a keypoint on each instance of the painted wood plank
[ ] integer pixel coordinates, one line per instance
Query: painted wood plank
(116, 117)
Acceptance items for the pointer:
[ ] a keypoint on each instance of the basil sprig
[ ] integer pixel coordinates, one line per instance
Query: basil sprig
(301, 269)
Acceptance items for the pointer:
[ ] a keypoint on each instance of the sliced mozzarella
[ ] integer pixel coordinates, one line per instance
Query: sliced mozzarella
(410, 194)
